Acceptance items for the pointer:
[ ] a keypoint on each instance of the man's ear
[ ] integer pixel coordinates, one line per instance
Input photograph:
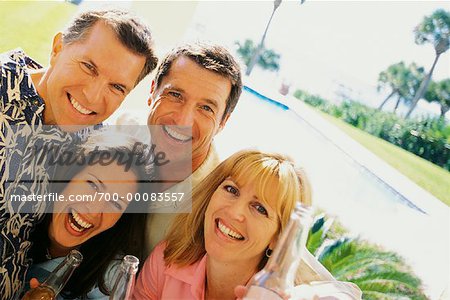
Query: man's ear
(152, 90)
(152, 87)
(57, 47)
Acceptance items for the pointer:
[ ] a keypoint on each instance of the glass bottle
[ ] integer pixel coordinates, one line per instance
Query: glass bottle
(123, 287)
(57, 279)
(279, 273)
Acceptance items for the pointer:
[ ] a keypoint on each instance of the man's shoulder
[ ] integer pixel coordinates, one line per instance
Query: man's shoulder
(16, 60)
(14, 71)
(18, 96)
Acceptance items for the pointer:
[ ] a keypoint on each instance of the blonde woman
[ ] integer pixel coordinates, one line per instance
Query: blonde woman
(237, 214)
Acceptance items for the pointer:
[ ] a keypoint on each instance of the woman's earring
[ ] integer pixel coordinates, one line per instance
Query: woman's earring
(268, 252)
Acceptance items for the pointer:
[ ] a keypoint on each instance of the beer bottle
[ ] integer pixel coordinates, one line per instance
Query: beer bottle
(279, 273)
(57, 279)
(123, 287)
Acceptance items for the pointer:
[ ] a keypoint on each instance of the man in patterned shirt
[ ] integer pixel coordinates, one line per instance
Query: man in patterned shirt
(94, 64)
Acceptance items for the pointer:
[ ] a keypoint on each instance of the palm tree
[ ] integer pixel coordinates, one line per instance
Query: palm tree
(391, 78)
(254, 59)
(414, 77)
(402, 80)
(439, 92)
(379, 274)
(434, 29)
(268, 59)
(256, 53)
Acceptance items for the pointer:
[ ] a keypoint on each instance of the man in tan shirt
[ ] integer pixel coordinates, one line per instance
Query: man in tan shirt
(194, 92)
(197, 86)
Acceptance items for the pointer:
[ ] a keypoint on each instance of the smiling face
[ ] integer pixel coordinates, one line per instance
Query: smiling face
(189, 96)
(73, 223)
(87, 80)
(239, 225)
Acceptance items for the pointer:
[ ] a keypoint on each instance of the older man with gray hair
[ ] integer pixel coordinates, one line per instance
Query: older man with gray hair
(94, 64)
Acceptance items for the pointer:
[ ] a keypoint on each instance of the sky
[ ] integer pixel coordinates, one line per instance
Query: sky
(327, 47)
(326, 44)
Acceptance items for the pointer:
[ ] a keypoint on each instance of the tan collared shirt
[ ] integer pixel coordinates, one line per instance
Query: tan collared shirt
(159, 223)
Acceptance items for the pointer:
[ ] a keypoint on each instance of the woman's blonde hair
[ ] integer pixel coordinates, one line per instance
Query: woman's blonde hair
(273, 175)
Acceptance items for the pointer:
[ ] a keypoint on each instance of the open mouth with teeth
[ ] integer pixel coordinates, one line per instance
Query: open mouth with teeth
(78, 107)
(228, 231)
(177, 136)
(77, 223)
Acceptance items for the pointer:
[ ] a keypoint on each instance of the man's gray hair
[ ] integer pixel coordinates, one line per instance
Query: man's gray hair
(131, 31)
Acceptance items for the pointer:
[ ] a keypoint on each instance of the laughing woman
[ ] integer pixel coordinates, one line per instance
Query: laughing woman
(238, 212)
(102, 231)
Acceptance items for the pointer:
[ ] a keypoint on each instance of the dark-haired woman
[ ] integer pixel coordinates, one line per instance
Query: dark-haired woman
(103, 231)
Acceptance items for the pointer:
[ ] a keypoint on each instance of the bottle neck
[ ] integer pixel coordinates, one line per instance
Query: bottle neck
(62, 273)
(124, 283)
(286, 256)
(123, 286)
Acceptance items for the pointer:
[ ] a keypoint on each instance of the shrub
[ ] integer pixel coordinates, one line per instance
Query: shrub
(428, 138)
(378, 273)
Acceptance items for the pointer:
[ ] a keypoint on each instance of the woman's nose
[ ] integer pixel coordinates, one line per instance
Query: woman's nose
(237, 211)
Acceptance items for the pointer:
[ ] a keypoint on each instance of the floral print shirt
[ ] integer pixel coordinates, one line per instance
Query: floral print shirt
(21, 129)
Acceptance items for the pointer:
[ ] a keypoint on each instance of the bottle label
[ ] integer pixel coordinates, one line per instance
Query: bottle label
(258, 292)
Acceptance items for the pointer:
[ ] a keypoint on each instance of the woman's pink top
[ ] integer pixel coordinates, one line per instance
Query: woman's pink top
(157, 281)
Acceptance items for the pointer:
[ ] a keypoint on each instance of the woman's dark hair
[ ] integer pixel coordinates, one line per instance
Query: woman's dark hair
(127, 236)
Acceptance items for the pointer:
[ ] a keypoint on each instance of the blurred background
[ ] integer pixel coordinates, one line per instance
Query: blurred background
(357, 92)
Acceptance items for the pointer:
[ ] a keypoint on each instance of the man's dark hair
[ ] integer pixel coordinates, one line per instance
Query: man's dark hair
(214, 58)
(132, 32)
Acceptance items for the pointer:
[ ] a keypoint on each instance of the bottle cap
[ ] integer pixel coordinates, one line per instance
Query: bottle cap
(75, 257)
(130, 263)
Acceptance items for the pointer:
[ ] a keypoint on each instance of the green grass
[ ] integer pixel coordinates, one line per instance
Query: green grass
(31, 25)
(430, 177)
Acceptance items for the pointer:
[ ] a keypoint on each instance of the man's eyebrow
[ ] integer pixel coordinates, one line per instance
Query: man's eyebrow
(211, 102)
(122, 85)
(172, 87)
(178, 89)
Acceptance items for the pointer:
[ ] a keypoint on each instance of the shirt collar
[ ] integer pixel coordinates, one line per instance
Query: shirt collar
(193, 275)
(19, 57)
(211, 161)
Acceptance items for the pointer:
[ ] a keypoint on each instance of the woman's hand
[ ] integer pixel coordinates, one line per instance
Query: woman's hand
(326, 290)
(299, 292)
(240, 291)
(34, 283)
